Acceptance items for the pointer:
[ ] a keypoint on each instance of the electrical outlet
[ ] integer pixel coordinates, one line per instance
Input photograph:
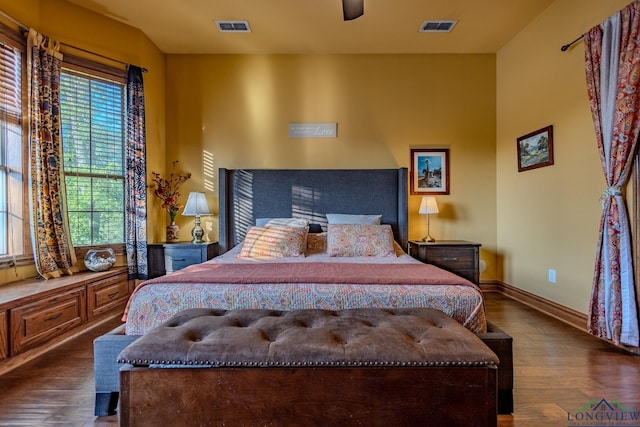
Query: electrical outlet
(552, 275)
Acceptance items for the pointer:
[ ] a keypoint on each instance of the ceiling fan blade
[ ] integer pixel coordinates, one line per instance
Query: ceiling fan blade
(352, 9)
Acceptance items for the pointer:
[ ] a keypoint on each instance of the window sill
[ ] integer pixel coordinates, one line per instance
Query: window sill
(17, 261)
(7, 262)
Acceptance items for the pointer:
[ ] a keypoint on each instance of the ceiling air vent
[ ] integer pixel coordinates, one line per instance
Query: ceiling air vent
(437, 26)
(233, 26)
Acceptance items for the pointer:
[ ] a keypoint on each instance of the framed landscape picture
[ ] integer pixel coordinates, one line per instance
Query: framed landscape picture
(429, 171)
(535, 149)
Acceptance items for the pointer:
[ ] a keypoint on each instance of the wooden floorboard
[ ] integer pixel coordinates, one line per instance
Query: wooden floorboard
(557, 369)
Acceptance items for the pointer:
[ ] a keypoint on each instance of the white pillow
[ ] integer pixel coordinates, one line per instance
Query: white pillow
(287, 222)
(354, 219)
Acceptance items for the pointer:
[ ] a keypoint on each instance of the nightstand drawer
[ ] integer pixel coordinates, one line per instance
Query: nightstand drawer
(179, 258)
(452, 258)
(458, 256)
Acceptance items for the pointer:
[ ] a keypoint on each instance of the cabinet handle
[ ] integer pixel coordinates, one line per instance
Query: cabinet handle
(176, 259)
(450, 258)
(113, 294)
(53, 317)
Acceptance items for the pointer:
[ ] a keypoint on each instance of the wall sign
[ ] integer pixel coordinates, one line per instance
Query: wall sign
(313, 130)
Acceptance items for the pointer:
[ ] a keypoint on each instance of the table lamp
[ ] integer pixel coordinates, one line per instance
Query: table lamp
(428, 206)
(197, 206)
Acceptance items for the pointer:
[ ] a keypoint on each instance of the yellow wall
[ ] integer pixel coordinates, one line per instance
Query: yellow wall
(79, 27)
(548, 218)
(234, 109)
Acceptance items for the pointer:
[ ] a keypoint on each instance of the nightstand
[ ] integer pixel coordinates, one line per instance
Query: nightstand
(457, 256)
(165, 258)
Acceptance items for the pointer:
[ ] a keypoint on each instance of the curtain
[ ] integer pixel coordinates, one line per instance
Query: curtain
(612, 59)
(135, 185)
(52, 249)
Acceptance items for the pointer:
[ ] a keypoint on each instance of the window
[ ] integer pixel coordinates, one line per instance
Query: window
(14, 231)
(93, 135)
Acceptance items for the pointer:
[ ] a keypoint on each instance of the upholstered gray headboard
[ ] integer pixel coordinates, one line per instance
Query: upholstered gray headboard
(247, 194)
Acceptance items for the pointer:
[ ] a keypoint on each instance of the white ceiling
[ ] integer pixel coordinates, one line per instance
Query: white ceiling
(317, 26)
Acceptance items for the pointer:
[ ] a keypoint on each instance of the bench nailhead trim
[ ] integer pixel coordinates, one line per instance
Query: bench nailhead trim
(303, 363)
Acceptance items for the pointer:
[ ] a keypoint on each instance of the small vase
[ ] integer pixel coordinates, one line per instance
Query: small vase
(172, 232)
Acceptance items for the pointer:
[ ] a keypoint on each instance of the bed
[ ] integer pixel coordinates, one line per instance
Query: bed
(248, 199)
(329, 272)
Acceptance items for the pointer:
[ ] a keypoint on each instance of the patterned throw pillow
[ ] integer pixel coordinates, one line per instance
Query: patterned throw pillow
(345, 240)
(274, 242)
(317, 243)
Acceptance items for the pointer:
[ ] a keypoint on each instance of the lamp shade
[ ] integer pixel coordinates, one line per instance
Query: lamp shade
(428, 205)
(196, 205)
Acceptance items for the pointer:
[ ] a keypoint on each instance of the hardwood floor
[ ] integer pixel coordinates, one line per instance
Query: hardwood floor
(557, 369)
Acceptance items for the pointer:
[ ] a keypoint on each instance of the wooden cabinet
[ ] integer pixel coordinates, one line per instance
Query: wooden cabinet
(37, 312)
(36, 323)
(165, 258)
(457, 256)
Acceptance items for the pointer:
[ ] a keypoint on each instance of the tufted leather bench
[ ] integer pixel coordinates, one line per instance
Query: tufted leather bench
(309, 367)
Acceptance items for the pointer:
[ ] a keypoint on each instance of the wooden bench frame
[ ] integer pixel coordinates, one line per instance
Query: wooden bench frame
(502, 345)
(302, 396)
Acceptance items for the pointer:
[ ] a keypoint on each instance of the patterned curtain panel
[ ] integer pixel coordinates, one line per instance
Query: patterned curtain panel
(53, 253)
(612, 58)
(136, 182)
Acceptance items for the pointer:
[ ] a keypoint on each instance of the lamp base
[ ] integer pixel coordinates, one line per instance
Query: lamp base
(197, 232)
(428, 238)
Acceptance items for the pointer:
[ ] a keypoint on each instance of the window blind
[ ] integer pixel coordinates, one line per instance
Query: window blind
(11, 151)
(93, 135)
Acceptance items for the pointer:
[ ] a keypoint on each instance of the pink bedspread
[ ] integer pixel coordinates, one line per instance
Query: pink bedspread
(320, 282)
(317, 272)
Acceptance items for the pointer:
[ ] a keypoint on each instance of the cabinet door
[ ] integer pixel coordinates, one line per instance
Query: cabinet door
(106, 295)
(4, 335)
(36, 323)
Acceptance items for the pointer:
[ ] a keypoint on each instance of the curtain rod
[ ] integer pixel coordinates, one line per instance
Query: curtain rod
(26, 28)
(15, 21)
(144, 70)
(568, 45)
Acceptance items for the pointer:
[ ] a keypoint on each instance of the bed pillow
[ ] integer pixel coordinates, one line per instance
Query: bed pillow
(317, 243)
(274, 242)
(353, 219)
(345, 240)
(294, 222)
(288, 222)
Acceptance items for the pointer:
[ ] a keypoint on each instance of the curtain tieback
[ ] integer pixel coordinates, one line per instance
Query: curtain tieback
(608, 193)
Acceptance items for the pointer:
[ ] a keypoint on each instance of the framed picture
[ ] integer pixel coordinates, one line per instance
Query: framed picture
(535, 149)
(429, 171)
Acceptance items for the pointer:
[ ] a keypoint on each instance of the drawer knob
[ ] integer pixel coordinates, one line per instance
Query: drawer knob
(450, 258)
(54, 317)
